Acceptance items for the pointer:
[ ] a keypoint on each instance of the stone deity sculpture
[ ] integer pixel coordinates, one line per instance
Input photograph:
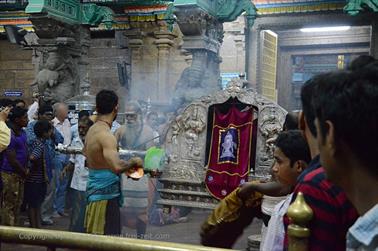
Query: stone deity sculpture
(55, 81)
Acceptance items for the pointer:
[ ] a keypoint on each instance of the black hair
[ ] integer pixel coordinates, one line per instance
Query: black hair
(45, 108)
(360, 62)
(294, 146)
(87, 121)
(106, 101)
(308, 92)
(350, 101)
(16, 101)
(17, 112)
(83, 113)
(42, 126)
(291, 121)
(4, 102)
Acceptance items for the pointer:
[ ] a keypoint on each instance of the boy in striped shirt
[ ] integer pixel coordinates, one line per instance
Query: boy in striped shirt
(36, 182)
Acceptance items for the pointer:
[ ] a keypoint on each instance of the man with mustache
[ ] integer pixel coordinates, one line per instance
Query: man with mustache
(135, 135)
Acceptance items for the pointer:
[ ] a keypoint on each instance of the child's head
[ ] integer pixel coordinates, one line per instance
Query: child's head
(43, 129)
(291, 156)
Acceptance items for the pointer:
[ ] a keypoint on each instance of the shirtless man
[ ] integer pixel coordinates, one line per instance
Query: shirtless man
(102, 214)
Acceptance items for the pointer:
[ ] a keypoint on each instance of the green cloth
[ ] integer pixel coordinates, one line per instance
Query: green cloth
(154, 159)
(95, 214)
(103, 184)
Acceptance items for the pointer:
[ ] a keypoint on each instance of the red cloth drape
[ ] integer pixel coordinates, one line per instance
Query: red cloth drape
(230, 151)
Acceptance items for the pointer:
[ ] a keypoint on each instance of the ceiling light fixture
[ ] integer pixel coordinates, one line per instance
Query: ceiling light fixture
(325, 29)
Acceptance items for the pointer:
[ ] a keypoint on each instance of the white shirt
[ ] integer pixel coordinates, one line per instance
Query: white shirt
(115, 126)
(64, 128)
(80, 174)
(32, 111)
(363, 235)
(275, 234)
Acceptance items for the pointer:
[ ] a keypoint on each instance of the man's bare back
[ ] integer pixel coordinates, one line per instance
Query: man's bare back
(101, 150)
(98, 134)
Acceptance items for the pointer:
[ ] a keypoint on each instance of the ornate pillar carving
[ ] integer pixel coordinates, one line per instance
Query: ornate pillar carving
(164, 41)
(203, 36)
(60, 58)
(64, 39)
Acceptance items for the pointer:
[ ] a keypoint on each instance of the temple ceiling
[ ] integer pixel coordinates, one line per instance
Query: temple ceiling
(118, 14)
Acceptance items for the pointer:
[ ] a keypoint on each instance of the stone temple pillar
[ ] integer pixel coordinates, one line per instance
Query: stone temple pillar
(203, 35)
(135, 44)
(164, 42)
(60, 58)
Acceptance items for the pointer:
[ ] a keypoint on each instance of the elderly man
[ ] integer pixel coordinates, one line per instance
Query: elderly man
(79, 178)
(62, 124)
(135, 135)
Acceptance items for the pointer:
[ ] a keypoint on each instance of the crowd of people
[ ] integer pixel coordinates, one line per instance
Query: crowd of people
(326, 151)
(330, 160)
(49, 185)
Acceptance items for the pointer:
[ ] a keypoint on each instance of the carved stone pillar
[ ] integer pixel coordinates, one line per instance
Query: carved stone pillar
(164, 41)
(60, 58)
(135, 43)
(253, 57)
(83, 63)
(203, 36)
(240, 52)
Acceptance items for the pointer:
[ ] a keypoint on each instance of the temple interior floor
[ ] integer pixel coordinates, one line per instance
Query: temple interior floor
(187, 232)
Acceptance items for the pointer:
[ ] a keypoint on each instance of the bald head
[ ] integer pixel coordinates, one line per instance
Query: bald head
(61, 111)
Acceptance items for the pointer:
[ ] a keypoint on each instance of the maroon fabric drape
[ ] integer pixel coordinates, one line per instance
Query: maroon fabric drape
(230, 151)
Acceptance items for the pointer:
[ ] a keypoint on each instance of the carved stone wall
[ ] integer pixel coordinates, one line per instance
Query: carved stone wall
(185, 145)
(103, 56)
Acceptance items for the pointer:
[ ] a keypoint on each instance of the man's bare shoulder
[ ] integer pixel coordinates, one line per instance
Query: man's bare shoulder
(99, 132)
